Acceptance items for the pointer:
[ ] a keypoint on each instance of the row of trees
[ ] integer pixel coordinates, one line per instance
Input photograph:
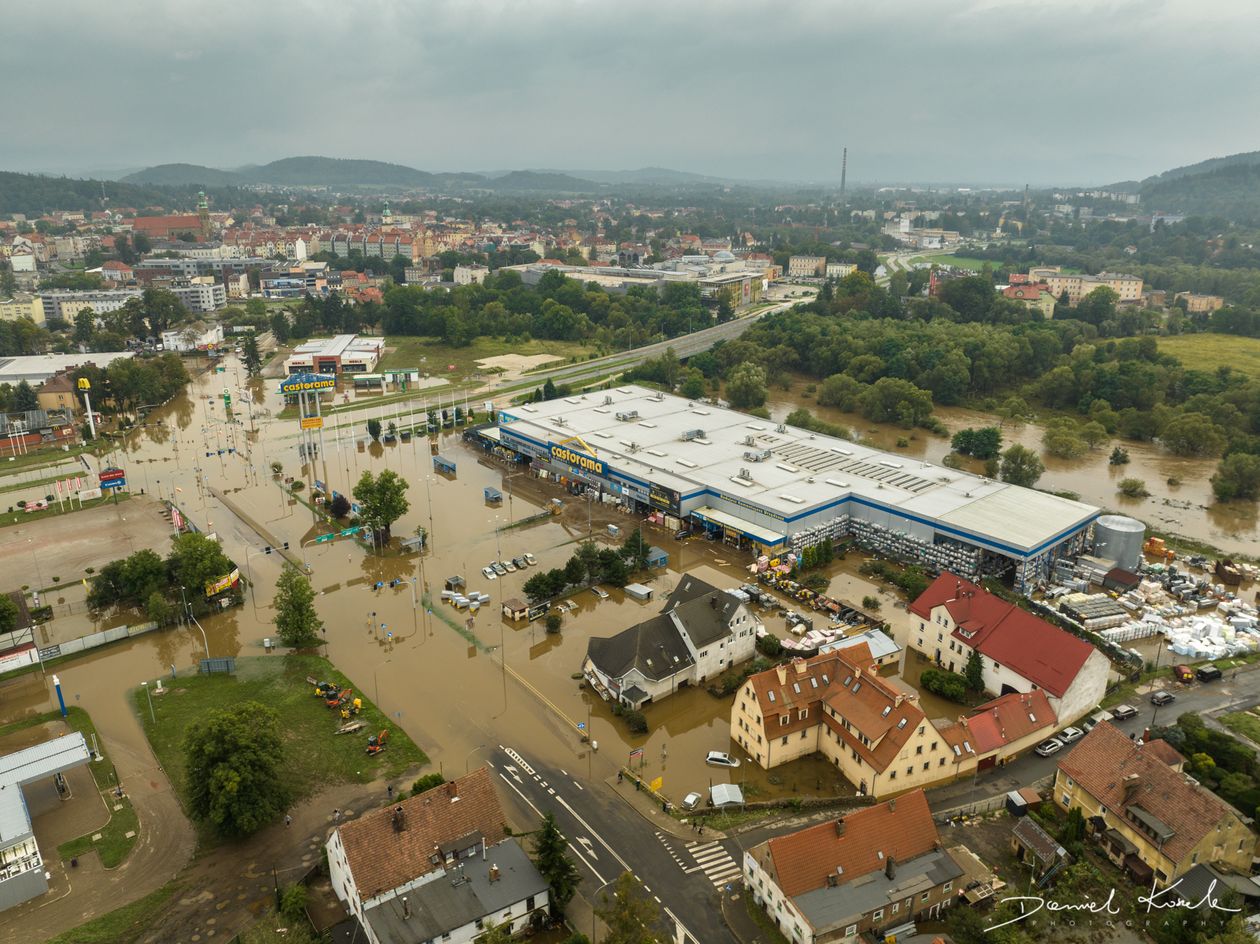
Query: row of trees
(557, 308)
(590, 565)
(147, 581)
(131, 383)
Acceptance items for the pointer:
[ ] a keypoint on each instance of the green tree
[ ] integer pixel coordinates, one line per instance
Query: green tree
(1237, 476)
(1062, 439)
(1193, 434)
(24, 398)
(374, 428)
(629, 915)
(549, 391)
(983, 443)
(693, 385)
(250, 355)
(426, 783)
(1133, 488)
(1095, 434)
(891, 399)
(159, 609)
(1014, 410)
(84, 326)
(1021, 466)
(1119, 456)
(296, 621)
(553, 623)
(9, 613)
(746, 386)
(233, 757)
(382, 501)
(293, 903)
(553, 863)
(635, 549)
(194, 561)
(974, 671)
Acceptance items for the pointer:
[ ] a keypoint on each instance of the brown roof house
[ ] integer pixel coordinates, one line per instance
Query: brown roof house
(435, 867)
(874, 870)
(1148, 814)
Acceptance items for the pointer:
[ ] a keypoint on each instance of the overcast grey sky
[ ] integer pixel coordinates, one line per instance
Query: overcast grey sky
(971, 90)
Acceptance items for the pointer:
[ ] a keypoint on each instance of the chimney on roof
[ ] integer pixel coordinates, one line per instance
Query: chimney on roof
(406, 908)
(892, 805)
(839, 827)
(398, 820)
(1131, 784)
(890, 868)
(781, 672)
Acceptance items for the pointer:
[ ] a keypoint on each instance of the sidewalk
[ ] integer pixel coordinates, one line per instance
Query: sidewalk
(745, 929)
(649, 808)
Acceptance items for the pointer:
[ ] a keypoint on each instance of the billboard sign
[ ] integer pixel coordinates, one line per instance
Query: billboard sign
(666, 499)
(223, 583)
(305, 383)
(579, 460)
(312, 422)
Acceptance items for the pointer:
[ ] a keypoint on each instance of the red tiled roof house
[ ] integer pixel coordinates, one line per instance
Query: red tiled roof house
(1021, 653)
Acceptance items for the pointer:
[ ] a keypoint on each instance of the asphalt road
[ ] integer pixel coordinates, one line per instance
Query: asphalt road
(1197, 697)
(682, 877)
(684, 346)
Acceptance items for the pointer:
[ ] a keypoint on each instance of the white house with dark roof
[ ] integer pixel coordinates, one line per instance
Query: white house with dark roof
(701, 632)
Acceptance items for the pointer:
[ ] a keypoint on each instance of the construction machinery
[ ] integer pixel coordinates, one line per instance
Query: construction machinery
(376, 743)
(340, 699)
(326, 690)
(353, 708)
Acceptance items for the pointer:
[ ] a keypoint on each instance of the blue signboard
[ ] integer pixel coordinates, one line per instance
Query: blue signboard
(114, 483)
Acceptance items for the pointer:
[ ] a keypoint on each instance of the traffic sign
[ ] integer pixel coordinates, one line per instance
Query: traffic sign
(349, 531)
(325, 538)
(312, 422)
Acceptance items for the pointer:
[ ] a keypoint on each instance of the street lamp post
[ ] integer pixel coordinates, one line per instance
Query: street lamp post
(376, 686)
(468, 756)
(595, 901)
(149, 696)
(204, 640)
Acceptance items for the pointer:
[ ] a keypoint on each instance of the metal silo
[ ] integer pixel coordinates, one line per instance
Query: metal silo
(1119, 538)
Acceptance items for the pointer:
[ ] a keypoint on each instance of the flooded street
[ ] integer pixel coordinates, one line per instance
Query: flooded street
(1188, 508)
(436, 670)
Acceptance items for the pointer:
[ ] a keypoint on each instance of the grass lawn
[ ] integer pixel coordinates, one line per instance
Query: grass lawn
(52, 511)
(762, 920)
(1246, 723)
(123, 925)
(37, 458)
(314, 755)
(409, 351)
(1207, 352)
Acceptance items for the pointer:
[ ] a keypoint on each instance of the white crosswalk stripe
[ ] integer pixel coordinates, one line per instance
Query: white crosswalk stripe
(711, 858)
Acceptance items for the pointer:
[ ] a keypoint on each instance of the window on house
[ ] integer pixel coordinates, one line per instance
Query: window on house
(1066, 799)
(909, 771)
(942, 762)
(892, 775)
(927, 764)
(796, 687)
(804, 713)
(803, 735)
(770, 695)
(933, 747)
(783, 720)
(896, 907)
(877, 915)
(919, 749)
(850, 930)
(784, 741)
(924, 896)
(948, 886)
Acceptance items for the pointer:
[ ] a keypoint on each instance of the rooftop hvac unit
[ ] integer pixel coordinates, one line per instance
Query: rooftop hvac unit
(780, 428)
(628, 416)
(632, 447)
(745, 475)
(608, 401)
(755, 455)
(750, 440)
(690, 434)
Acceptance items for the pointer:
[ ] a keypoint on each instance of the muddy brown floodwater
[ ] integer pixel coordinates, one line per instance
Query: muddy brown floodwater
(1187, 509)
(437, 671)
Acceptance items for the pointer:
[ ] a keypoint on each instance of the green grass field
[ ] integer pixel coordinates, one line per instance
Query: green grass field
(314, 754)
(123, 925)
(1209, 351)
(1246, 723)
(433, 356)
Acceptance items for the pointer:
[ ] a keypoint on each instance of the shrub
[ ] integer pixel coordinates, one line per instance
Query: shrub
(636, 722)
(1133, 488)
(871, 603)
(553, 623)
(769, 645)
(949, 685)
(427, 782)
(293, 902)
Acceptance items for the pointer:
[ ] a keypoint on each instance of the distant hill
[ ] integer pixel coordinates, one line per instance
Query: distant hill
(1245, 159)
(183, 175)
(1231, 191)
(662, 176)
(335, 172)
(33, 194)
(551, 182)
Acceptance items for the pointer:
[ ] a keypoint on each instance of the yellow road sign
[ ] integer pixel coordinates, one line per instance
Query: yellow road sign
(312, 422)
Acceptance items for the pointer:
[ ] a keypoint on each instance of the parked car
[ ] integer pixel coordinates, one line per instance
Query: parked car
(1123, 712)
(1183, 673)
(519, 562)
(489, 574)
(508, 566)
(1068, 735)
(530, 559)
(600, 592)
(682, 533)
(498, 568)
(1163, 698)
(691, 801)
(1207, 673)
(721, 759)
(1095, 719)
(1049, 746)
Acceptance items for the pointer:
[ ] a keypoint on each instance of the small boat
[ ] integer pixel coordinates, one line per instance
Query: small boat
(350, 727)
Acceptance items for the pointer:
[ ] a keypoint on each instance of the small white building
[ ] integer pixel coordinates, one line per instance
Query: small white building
(468, 274)
(193, 337)
(701, 632)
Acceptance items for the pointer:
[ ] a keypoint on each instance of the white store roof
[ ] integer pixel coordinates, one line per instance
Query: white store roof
(805, 472)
